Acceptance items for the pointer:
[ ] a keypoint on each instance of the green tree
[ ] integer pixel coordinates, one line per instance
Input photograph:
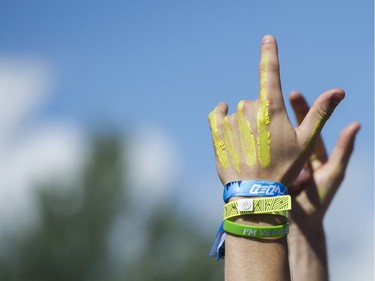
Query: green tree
(71, 239)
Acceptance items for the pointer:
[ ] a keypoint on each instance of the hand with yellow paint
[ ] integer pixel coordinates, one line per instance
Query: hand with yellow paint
(258, 141)
(312, 194)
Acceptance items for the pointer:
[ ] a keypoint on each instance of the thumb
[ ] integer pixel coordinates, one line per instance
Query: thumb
(316, 117)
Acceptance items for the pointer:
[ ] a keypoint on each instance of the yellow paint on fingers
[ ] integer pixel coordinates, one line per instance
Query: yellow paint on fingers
(218, 143)
(247, 136)
(263, 120)
(231, 140)
(315, 133)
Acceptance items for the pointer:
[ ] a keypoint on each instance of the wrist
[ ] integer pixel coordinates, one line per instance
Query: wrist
(308, 252)
(261, 220)
(308, 243)
(309, 231)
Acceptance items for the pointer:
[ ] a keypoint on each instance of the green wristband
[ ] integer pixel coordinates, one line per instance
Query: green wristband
(244, 230)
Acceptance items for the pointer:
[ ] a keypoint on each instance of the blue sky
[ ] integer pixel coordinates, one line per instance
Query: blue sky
(171, 61)
(168, 63)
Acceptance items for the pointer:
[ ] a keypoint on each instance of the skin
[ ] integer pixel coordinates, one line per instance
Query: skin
(289, 149)
(263, 117)
(313, 192)
(230, 139)
(246, 136)
(221, 154)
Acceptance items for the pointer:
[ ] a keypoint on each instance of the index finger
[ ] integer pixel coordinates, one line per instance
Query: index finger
(269, 74)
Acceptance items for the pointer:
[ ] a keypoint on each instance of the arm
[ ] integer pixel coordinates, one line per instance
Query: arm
(259, 142)
(313, 192)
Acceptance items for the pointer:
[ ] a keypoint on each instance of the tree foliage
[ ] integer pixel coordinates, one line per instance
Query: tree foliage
(71, 240)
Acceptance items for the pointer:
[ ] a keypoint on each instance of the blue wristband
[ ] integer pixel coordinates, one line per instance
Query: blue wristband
(218, 247)
(253, 188)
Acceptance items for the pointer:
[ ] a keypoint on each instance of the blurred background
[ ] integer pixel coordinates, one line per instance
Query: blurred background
(107, 170)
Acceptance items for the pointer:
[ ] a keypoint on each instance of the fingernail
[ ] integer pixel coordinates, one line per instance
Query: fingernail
(267, 38)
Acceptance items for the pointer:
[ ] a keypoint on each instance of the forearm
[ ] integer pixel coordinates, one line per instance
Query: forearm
(308, 253)
(256, 259)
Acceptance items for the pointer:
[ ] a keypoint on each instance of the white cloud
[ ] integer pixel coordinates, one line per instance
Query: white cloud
(152, 169)
(24, 85)
(29, 154)
(207, 195)
(153, 165)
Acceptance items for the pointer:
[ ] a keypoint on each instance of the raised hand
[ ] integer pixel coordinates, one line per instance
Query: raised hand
(312, 193)
(258, 141)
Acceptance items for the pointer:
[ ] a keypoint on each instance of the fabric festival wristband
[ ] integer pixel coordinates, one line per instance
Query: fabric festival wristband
(256, 231)
(266, 205)
(253, 188)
